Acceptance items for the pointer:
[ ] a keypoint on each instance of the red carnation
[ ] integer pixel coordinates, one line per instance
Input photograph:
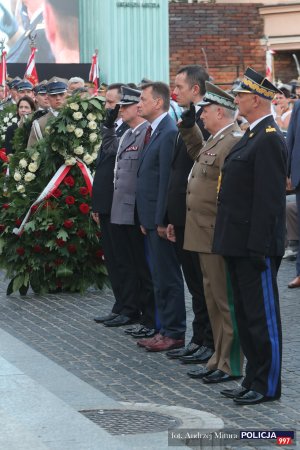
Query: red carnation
(57, 193)
(37, 233)
(34, 208)
(68, 223)
(70, 200)
(51, 227)
(5, 205)
(20, 251)
(84, 208)
(83, 190)
(100, 254)
(69, 181)
(98, 234)
(58, 261)
(81, 233)
(37, 249)
(47, 204)
(72, 248)
(60, 242)
(2, 228)
(18, 222)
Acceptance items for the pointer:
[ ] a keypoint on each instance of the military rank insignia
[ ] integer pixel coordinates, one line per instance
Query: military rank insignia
(270, 129)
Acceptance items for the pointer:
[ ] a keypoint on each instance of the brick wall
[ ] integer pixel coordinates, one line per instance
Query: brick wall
(229, 33)
(284, 65)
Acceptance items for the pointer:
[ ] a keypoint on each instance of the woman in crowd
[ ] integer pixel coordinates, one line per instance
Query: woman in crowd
(283, 109)
(25, 106)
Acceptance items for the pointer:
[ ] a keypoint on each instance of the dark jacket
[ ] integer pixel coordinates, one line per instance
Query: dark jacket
(251, 201)
(9, 136)
(103, 185)
(153, 175)
(180, 169)
(293, 144)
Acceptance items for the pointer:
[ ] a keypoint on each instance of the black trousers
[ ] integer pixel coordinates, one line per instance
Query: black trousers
(137, 294)
(110, 254)
(202, 332)
(256, 303)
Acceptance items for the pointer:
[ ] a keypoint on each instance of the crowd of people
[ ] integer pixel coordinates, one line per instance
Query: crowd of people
(187, 199)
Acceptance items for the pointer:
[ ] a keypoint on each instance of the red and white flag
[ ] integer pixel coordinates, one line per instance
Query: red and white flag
(31, 72)
(94, 72)
(270, 65)
(3, 71)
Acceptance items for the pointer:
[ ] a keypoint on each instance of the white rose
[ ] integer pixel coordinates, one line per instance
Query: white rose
(70, 128)
(88, 159)
(29, 176)
(35, 156)
(74, 106)
(10, 115)
(3, 137)
(92, 125)
(14, 120)
(33, 167)
(77, 115)
(70, 161)
(91, 116)
(9, 124)
(6, 119)
(21, 188)
(94, 156)
(23, 163)
(93, 137)
(17, 176)
(79, 150)
(78, 132)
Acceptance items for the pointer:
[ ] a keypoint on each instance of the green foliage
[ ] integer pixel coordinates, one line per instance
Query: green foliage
(60, 247)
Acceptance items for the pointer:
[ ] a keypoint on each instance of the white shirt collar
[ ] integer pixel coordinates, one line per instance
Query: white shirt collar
(118, 123)
(253, 124)
(134, 129)
(222, 129)
(157, 121)
(36, 14)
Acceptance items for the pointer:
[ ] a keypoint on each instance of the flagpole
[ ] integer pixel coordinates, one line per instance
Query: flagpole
(31, 72)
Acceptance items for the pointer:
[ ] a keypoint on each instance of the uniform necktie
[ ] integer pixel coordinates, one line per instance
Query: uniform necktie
(147, 135)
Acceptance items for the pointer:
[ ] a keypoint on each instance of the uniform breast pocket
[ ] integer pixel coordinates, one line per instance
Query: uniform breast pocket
(207, 164)
(130, 160)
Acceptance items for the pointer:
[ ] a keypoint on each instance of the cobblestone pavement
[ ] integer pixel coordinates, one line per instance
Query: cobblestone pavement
(61, 327)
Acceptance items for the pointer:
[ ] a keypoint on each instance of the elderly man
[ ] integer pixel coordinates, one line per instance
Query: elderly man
(218, 117)
(250, 234)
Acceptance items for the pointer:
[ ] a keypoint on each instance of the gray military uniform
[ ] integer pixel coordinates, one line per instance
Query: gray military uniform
(130, 146)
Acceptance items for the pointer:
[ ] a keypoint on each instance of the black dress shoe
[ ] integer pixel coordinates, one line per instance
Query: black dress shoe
(133, 329)
(234, 393)
(186, 351)
(199, 373)
(102, 319)
(119, 321)
(144, 332)
(253, 398)
(202, 355)
(218, 376)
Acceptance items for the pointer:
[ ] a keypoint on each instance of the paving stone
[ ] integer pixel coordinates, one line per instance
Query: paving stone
(62, 328)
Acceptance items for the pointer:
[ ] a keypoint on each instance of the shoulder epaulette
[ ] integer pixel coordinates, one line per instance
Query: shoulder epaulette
(270, 129)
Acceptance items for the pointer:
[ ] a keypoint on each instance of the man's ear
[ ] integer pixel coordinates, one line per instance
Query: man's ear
(50, 23)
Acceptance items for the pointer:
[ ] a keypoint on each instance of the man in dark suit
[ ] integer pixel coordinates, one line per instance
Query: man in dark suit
(250, 234)
(293, 144)
(102, 194)
(134, 273)
(189, 87)
(151, 197)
